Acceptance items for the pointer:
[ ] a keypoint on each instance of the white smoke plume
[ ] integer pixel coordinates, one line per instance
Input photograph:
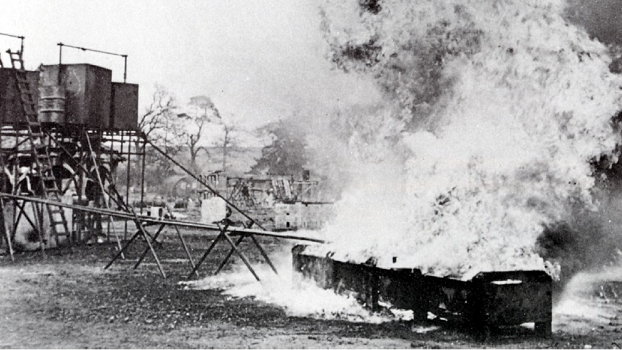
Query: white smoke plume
(495, 111)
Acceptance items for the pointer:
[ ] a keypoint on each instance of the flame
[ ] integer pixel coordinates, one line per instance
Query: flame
(498, 109)
(296, 296)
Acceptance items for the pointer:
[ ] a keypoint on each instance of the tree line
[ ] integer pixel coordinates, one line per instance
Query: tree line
(197, 135)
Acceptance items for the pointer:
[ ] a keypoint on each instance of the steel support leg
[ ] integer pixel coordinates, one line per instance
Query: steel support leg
(114, 230)
(241, 255)
(7, 234)
(144, 254)
(140, 231)
(263, 253)
(222, 264)
(183, 242)
(155, 256)
(23, 211)
(209, 250)
(153, 238)
(38, 211)
(237, 244)
(120, 252)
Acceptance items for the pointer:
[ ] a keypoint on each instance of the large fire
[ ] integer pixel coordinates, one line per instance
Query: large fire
(497, 109)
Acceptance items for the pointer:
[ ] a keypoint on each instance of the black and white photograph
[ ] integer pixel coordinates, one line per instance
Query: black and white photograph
(276, 174)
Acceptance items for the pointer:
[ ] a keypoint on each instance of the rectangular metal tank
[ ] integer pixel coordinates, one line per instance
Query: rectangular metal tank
(489, 300)
(88, 92)
(11, 111)
(124, 107)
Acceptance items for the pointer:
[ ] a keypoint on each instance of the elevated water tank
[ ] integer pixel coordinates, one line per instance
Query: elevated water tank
(87, 92)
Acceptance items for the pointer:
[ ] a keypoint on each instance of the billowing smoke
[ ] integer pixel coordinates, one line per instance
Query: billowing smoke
(588, 239)
(494, 115)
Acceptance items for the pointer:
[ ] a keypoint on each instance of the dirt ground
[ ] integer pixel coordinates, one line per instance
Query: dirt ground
(66, 299)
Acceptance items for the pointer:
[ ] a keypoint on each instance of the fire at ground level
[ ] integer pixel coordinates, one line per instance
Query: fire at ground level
(66, 299)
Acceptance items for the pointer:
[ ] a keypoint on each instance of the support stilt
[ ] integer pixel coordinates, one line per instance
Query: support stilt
(144, 254)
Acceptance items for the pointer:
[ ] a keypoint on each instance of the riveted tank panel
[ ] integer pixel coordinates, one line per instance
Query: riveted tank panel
(87, 92)
(11, 111)
(124, 108)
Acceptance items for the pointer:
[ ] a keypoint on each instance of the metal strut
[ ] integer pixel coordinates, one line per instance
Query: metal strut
(223, 232)
(60, 55)
(116, 197)
(103, 189)
(141, 231)
(7, 234)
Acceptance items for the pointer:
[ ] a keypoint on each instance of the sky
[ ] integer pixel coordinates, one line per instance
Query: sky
(258, 60)
(601, 18)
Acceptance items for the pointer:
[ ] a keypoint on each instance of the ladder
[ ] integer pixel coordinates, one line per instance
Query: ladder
(6, 234)
(116, 197)
(41, 156)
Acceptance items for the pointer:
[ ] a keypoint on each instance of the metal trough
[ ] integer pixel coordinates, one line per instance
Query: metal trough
(490, 299)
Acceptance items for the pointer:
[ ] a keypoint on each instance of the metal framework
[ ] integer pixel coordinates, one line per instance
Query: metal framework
(80, 167)
(85, 160)
(60, 56)
(142, 222)
(226, 233)
(85, 151)
(53, 159)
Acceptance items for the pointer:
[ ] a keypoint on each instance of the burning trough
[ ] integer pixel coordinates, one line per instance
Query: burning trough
(488, 300)
(475, 150)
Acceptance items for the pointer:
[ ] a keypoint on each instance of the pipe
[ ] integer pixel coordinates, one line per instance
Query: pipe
(150, 220)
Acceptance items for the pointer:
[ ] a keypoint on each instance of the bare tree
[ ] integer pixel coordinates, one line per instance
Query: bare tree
(230, 129)
(229, 141)
(192, 136)
(159, 125)
(157, 114)
(204, 112)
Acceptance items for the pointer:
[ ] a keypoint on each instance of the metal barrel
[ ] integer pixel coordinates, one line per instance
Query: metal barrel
(51, 104)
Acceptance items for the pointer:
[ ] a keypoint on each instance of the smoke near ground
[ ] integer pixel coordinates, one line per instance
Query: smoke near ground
(298, 297)
(589, 240)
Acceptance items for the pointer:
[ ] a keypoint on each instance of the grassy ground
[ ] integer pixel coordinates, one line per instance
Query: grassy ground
(66, 299)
